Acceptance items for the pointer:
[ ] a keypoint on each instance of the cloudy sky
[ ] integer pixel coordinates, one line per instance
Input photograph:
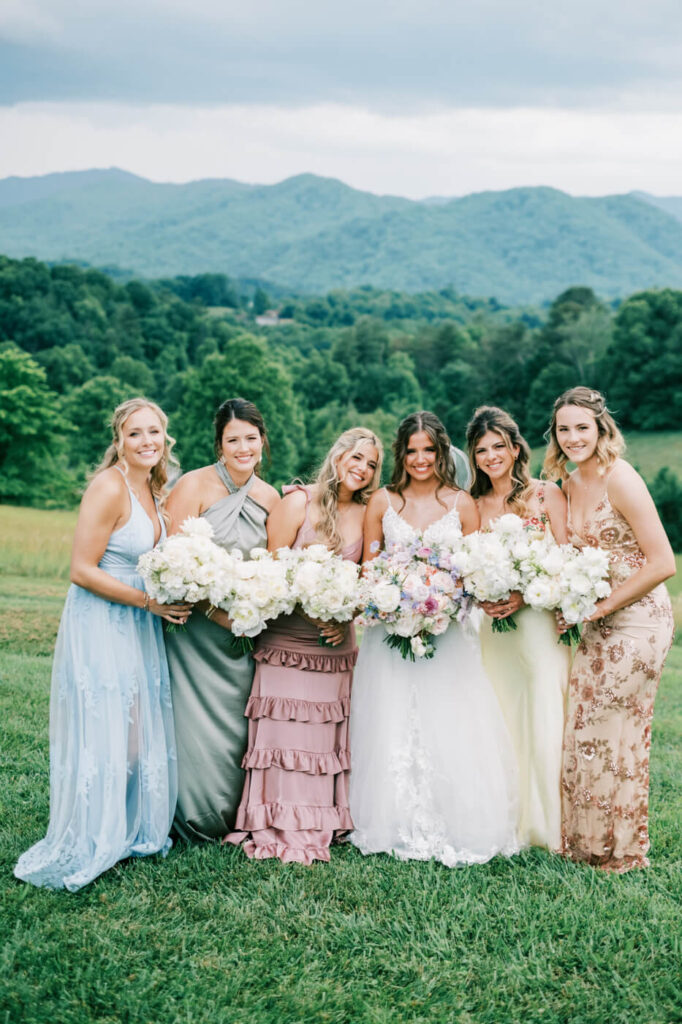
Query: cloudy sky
(436, 97)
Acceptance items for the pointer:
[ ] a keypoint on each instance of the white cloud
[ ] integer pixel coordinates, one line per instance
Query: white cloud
(451, 152)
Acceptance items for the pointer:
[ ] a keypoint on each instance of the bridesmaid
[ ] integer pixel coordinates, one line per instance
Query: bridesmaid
(112, 751)
(295, 797)
(528, 668)
(210, 678)
(605, 783)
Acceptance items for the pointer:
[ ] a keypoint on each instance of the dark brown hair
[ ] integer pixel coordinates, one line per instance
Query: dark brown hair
(238, 409)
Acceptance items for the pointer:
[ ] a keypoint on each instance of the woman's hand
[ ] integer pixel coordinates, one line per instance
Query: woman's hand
(334, 633)
(175, 613)
(602, 609)
(503, 609)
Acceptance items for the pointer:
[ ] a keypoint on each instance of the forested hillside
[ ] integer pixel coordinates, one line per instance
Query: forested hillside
(313, 234)
(73, 343)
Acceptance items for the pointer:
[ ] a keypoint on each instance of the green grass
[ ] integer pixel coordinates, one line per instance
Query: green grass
(208, 936)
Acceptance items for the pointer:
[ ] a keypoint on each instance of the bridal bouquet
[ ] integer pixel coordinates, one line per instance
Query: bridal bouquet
(325, 585)
(187, 567)
(407, 592)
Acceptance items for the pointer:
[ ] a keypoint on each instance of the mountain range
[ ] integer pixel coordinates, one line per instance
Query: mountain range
(312, 234)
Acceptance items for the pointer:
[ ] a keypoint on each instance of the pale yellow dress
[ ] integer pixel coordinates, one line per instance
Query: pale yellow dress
(529, 671)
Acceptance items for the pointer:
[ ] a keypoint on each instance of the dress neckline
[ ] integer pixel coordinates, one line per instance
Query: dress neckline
(589, 519)
(134, 497)
(417, 532)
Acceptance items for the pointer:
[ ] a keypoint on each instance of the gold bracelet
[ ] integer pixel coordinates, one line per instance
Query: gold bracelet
(145, 606)
(210, 611)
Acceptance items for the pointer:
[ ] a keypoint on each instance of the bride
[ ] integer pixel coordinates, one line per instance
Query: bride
(433, 771)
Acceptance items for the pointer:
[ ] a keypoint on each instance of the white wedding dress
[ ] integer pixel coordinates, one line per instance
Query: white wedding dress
(433, 769)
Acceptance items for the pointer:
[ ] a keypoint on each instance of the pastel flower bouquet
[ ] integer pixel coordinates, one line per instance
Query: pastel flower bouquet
(413, 593)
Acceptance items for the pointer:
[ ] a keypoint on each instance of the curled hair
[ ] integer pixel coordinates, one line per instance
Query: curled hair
(444, 467)
(489, 418)
(114, 456)
(610, 441)
(327, 481)
(238, 409)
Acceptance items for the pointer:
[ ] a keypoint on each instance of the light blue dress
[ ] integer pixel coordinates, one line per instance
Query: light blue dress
(113, 774)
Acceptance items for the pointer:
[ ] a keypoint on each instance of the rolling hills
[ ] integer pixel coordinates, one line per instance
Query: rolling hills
(313, 234)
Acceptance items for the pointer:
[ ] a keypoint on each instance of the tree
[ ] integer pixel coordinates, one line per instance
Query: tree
(261, 301)
(247, 370)
(642, 366)
(89, 409)
(31, 433)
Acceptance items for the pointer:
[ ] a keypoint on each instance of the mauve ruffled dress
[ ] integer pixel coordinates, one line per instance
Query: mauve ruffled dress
(295, 796)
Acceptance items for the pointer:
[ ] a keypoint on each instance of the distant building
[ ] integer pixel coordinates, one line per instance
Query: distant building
(271, 318)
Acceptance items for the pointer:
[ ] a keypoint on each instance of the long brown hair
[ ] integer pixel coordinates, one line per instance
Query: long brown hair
(610, 441)
(113, 456)
(327, 481)
(490, 418)
(444, 468)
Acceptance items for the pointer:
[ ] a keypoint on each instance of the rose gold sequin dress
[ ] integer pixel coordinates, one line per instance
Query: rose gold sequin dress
(605, 782)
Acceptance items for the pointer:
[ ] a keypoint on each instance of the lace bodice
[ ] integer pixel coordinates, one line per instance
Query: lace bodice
(399, 533)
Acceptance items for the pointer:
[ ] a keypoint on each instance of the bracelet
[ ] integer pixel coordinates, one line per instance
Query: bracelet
(145, 606)
(210, 611)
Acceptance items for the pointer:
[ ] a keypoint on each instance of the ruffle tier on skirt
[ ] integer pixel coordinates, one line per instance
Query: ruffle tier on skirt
(295, 798)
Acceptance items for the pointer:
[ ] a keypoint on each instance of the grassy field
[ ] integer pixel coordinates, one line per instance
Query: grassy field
(207, 936)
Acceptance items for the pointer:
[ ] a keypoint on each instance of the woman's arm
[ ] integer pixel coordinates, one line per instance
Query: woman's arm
(469, 515)
(184, 500)
(286, 519)
(628, 494)
(556, 507)
(105, 507)
(372, 529)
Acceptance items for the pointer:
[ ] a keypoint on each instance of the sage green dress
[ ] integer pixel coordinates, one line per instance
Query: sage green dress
(210, 684)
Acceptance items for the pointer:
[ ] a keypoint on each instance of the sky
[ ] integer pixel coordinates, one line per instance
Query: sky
(438, 97)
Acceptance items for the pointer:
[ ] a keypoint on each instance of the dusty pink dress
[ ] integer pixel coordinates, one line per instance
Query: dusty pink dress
(297, 761)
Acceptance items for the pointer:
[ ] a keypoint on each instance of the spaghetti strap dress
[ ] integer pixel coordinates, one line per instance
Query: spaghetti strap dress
(611, 693)
(295, 799)
(113, 779)
(529, 671)
(210, 681)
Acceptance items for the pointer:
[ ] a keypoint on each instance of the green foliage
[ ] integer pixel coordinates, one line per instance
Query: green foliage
(348, 356)
(246, 369)
(666, 490)
(643, 364)
(30, 431)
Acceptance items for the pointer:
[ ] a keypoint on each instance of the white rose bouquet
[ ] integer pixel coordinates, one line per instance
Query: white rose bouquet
(186, 567)
(325, 585)
(256, 590)
(582, 581)
(490, 563)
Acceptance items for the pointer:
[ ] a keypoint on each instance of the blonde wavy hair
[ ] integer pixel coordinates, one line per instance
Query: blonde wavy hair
(327, 481)
(113, 456)
(610, 441)
(490, 418)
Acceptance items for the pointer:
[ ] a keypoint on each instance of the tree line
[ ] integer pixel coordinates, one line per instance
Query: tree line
(74, 342)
